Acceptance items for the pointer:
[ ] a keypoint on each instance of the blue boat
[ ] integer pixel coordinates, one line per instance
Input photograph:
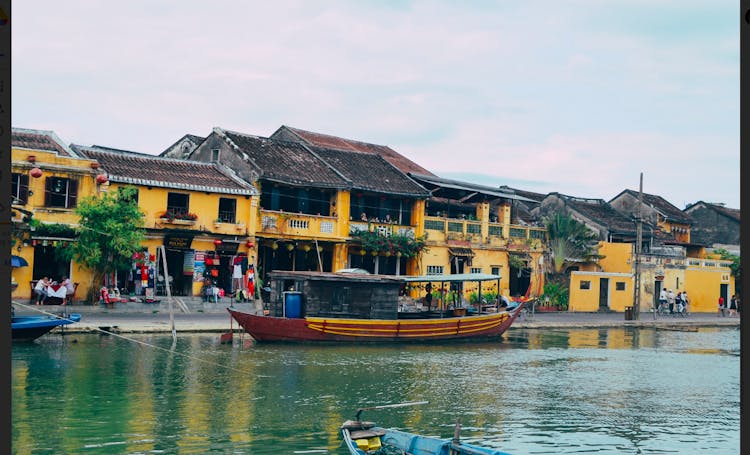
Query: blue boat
(365, 438)
(28, 328)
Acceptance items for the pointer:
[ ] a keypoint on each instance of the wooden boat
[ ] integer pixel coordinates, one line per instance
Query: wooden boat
(336, 307)
(365, 438)
(28, 328)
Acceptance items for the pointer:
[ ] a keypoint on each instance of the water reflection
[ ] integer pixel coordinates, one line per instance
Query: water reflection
(624, 390)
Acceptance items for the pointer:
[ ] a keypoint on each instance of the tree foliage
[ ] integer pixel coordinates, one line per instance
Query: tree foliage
(373, 241)
(569, 241)
(110, 231)
(735, 266)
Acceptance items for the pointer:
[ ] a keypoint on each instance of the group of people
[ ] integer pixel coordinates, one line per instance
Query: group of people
(677, 303)
(46, 288)
(732, 308)
(387, 219)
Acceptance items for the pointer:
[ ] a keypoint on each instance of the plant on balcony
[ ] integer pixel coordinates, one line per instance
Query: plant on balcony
(170, 216)
(392, 244)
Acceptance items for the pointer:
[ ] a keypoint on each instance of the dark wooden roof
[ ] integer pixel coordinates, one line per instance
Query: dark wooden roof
(190, 137)
(532, 196)
(141, 169)
(40, 140)
(667, 210)
(370, 172)
(731, 213)
(464, 191)
(334, 142)
(599, 211)
(284, 161)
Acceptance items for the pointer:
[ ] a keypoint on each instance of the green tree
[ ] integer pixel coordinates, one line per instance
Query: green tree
(110, 231)
(735, 266)
(569, 241)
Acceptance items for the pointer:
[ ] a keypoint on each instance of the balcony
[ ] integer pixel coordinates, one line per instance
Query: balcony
(453, 229)
(297, 224)
(384, 229)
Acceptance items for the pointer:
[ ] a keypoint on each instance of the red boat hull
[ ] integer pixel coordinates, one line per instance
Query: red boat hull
(317, 329)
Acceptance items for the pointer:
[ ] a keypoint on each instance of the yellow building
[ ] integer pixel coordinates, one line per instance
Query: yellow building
(202, 214)
(48, 179)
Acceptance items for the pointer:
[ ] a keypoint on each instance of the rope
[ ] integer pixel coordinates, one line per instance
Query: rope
(142, 343)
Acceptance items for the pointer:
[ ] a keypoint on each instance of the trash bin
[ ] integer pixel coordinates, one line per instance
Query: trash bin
(628, 313)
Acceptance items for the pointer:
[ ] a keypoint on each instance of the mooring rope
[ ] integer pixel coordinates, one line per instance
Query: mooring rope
(142, 343)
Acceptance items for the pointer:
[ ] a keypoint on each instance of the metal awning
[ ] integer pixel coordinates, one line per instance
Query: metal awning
(461, 252)
(458, 277)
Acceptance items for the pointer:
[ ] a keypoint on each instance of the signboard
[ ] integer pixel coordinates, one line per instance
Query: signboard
(178, 242)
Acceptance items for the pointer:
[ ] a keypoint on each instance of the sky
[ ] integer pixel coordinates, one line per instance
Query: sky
(580, 97)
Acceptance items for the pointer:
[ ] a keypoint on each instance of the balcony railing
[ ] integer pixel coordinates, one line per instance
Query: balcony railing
(384, 229)
(296, 224)
(442, 229)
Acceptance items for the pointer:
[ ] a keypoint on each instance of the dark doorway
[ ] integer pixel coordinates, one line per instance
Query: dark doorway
(724, 292)
(46, 263)
(657, 290)
(603, 294)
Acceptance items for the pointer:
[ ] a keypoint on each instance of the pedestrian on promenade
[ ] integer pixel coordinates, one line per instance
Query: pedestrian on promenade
(662, 299)
(670, 301)
(678, 302)
(685, 301)
(733, 306)
(722, 308)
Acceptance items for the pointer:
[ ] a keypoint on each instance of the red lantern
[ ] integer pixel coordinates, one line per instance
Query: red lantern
(250, 244)
(35, 172)
(31, 158)
(101, 178)
(209, 261)
(94, 165)
(217, 242)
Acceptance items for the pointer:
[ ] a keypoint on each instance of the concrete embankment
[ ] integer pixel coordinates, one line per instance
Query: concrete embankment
(198, 316)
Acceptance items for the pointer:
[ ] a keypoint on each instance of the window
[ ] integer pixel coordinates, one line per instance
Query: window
(20, 189)
(227, 210)
(434, 269)
(475, 270)
(585, 284)
(495, 270)
(60, 192)
(619, 286)
(178, 204)
(215, 155)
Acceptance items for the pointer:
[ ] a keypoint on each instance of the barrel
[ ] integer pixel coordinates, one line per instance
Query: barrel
(628, 313)
(293, 304)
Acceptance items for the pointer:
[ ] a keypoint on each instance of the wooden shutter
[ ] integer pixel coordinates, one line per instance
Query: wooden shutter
(47, 190)
(23, 189)
(72, 193)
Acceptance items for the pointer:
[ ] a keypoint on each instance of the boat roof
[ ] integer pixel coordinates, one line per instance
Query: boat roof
(457, 277)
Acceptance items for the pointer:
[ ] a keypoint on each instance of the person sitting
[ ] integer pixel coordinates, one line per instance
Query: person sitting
(69, 289)
(40, 290)
(363, 217)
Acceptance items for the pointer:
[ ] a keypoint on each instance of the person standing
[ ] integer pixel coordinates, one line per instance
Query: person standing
(685, 302)
(733, 306)
(721, 306)
(670, 301)
(428, 296)
(69, 289)
(662, 299)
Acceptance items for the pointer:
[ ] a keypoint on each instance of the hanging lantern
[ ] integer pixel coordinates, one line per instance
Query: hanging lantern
(320, 249)
(362, 252)
(94, 165)
(398, 254)
(250, 244)
(290, 247)
(217, 242)
(35, 172)
(374, 253)
(387, 254)
(209, 261)
(101, 179)
(274, 246)
(31, 158)
(306, 247)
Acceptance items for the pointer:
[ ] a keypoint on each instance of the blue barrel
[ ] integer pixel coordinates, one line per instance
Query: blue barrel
(293, 304)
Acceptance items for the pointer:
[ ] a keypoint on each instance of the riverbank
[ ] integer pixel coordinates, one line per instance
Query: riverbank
(198, 316)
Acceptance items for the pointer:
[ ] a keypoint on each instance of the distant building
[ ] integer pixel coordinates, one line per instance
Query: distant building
(183, 147)
(714, 224)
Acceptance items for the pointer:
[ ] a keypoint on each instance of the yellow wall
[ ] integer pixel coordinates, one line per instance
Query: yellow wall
(52, 165)
(703, 285)
(587, 300)
(617, 257)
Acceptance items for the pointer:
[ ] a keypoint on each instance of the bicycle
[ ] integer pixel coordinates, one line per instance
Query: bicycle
(662, 309)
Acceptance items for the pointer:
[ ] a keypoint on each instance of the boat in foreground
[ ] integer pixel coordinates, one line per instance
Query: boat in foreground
(365, 438)
(334, 307)
(28, 328)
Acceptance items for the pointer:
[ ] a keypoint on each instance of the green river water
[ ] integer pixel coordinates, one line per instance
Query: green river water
(618, 391)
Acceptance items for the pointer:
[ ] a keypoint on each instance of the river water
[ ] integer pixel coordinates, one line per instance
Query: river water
(618, 391)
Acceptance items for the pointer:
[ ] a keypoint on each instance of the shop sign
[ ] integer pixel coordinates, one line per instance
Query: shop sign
(178, 242)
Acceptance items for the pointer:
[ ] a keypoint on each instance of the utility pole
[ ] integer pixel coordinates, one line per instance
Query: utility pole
(638, 242)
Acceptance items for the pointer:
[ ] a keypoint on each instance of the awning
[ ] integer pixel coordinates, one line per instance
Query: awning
(461, 252)
(18, 261)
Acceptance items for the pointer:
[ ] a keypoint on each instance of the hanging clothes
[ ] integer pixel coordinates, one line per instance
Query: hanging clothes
(250, 281)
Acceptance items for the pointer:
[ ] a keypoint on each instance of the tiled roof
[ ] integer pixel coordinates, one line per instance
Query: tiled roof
(668, 210)
(370, 172)
(40, 140)
(141, 169)
(466, 191)
(191, 137)
(527, 194)
(282, 161)
(334, 142)
(599, 211)
(720, 208)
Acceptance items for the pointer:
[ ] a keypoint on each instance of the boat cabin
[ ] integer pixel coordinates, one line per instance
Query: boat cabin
(296, 294)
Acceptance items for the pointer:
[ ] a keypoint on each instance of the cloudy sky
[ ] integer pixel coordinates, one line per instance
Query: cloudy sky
(574, 96)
